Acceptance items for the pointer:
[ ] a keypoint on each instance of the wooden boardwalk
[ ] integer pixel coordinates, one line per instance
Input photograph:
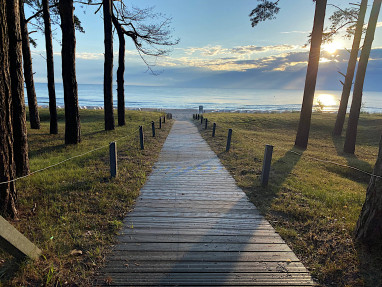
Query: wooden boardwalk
(192, 226)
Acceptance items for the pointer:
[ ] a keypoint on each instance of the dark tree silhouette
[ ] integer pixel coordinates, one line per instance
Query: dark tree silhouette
(72, 115)
(369, 226)
(108, 65)
(34, 116)
(8, 193)
(20, 144)
(50, 68)
(152, 40)
(337, 131)
(351, 132)
(267, 10)
(311, 76)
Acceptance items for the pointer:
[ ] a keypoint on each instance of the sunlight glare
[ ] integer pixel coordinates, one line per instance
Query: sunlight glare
(325, 101)
(332, 47)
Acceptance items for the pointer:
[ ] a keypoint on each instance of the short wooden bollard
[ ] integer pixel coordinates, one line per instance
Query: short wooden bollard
(206, 124)
(160, 122)
(266, 165)
(229, 140)
(201, 120)
(164, 119)
(141, 137)
(113, 159)
(198, 117)
(213, 129)
(153, 128)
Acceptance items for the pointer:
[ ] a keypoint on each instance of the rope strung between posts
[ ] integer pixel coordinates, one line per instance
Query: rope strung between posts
(70, 158)
(322, 160)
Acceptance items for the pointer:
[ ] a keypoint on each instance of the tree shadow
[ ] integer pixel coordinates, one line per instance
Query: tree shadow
(263, 196)
(9, 269)
(352, 160)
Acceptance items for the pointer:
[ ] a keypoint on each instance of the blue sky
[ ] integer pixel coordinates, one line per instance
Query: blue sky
(219, 48)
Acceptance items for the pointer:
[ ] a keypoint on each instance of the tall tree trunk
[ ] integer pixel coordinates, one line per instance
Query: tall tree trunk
(8, 195)
(351, 132)
(72, 114)
(120, 73)
(108, 66)
(34, 116)
(311, 76)
(20, 144)
(369, 226)
(350, 71)
(50, 68)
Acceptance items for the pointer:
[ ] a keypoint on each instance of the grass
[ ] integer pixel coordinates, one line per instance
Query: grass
(73, 211)
(313, 205)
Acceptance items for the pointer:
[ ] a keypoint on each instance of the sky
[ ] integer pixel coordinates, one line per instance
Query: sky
(218, 48)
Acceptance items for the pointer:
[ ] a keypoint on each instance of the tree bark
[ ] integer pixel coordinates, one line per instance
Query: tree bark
(355, 109)
(120, 73)
(108, 65)
(311, 76)
(34, 116)
(8, 195)
(369, 226)
(350, 71)
(50, 68)
(72, 115)
(20, 144)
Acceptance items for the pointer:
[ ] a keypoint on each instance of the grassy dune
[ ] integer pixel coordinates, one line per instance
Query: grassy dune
(314, 205)
(73, 211)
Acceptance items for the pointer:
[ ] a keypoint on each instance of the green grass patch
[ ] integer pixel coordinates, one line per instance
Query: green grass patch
(74, 210)
(313, 205)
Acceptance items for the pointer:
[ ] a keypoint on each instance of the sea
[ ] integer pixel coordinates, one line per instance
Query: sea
(90, 96)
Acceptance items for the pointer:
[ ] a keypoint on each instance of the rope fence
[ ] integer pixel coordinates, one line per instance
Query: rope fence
(269, 149)
(130, 135)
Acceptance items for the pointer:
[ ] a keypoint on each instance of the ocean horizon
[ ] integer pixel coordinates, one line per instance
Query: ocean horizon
(212, 99)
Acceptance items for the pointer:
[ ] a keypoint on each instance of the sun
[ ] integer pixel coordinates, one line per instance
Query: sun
(331, 47)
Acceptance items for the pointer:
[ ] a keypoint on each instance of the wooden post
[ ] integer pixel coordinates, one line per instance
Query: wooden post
(16, 244)
(266, 164)
(164, 119)
(206, 124)
(141, 137)
(201, 119)
(229, 140)
(160, 122)
(198, 116)
(213, 129)
(153, 128)
(113, 159)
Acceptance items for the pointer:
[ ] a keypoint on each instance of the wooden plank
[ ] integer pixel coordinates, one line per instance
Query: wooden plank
(197, 247)
(218, 267)
(13, 242)
(230, 256)
(142, 237)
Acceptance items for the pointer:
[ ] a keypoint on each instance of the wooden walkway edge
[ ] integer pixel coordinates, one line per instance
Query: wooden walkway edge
(192, 226)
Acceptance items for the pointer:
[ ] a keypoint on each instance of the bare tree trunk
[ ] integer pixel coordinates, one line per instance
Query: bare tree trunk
(351, 132)
(369, 225)
(311, 76)
(120, 73)
(34, 116)
(72, 114)
(8, 195)
(50, 68)
(350, 71)
(20, 144)
(108, 66)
